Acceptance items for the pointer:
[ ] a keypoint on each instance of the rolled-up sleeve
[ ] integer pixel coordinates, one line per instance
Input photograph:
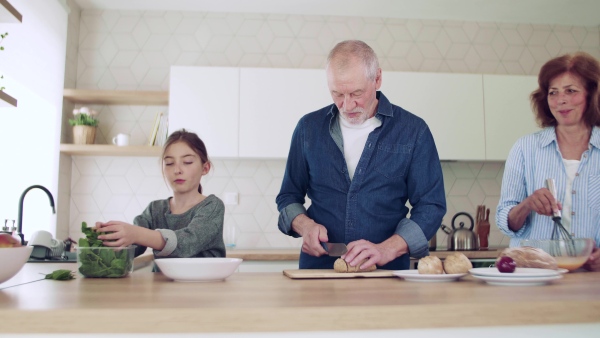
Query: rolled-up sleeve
(170, 243)
(414, 237)
(291, 197)
(426, 194)
(287, 215)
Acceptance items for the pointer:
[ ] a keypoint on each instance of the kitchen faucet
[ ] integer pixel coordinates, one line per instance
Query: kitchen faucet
(20, 223)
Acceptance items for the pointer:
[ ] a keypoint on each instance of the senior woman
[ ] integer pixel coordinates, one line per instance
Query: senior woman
(567, 106)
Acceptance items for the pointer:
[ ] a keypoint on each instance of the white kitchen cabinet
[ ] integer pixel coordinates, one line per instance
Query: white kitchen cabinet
(205, 100)
(508, 114)
(252, 112)
(451, 104)
(271, 103)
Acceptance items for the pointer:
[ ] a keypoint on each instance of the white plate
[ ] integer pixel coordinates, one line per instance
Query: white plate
(519, 272)
(559, 270)
(518, 281)
(415, 276)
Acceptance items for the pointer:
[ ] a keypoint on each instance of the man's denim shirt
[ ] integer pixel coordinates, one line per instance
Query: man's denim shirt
(399, 163)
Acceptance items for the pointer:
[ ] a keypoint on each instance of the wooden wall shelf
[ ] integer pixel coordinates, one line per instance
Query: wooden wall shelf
(109, 150)
(7, 100)
(123, 97)
(8, 13)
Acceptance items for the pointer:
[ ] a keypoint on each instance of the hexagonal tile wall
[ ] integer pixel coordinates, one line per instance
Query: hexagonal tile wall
(133, 50)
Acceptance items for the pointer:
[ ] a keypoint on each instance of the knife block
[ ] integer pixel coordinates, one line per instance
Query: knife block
(483, 233)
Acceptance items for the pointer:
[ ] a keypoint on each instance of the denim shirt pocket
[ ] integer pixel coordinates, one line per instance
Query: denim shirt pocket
(594, 192)
(392, 160)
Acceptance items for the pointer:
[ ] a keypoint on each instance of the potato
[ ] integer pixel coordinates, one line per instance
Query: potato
(341, 265)
(457, 263)
(430, 265)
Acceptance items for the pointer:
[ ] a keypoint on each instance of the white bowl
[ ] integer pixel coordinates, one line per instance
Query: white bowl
(12, 260)
(200, 269)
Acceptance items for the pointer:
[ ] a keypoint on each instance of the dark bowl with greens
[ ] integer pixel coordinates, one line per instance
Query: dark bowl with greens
(96, 260)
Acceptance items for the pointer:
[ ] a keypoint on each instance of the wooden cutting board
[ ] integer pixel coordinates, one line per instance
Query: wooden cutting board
(329, 273)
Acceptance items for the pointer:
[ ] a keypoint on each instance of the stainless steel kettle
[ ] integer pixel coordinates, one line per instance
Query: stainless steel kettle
(461, 238)
(433, 243)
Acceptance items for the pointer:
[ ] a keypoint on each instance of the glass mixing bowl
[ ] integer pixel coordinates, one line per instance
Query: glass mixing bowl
(570, 254)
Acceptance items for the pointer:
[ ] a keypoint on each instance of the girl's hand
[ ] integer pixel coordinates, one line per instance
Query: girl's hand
(542, 202)
(118, 233)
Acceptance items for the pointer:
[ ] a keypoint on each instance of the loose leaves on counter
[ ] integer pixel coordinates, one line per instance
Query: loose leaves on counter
(97, 260)
(61, 274)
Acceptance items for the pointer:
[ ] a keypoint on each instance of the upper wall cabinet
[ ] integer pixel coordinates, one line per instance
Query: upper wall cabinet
(508, 114)
(206, 101)
(271, 103)
(450, 104)
(252, 112)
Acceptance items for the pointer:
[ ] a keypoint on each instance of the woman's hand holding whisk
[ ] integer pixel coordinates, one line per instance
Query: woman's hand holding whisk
(542, 202)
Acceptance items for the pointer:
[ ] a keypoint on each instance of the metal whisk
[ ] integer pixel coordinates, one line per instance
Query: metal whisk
(559, 232)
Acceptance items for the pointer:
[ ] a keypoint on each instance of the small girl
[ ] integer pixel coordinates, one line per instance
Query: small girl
(188, 224)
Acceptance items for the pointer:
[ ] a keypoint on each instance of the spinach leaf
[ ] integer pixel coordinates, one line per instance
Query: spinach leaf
(60, 275)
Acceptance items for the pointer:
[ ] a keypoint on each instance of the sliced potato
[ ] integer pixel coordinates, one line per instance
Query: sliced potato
(341, 265)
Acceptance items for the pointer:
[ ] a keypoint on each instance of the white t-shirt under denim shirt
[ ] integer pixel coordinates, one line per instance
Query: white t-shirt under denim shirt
(355, 136)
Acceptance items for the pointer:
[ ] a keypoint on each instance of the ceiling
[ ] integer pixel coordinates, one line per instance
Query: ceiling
(562, 12)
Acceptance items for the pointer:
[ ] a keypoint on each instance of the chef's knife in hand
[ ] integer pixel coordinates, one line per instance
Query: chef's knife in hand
(335, 249)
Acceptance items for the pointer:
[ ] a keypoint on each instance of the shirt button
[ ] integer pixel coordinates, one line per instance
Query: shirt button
(369, 145)
(573, 213)
(576, 174)
(573, 192)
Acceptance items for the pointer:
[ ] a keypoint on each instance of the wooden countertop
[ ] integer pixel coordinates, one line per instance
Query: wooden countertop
(147, 302)
(294, 254)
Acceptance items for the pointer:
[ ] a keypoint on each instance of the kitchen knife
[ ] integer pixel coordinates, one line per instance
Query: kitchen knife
(335, 249)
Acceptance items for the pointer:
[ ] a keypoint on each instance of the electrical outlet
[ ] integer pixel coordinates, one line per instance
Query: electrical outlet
(230, 198)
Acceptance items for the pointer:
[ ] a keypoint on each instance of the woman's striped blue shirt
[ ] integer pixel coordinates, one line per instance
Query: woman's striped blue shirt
(535, 158)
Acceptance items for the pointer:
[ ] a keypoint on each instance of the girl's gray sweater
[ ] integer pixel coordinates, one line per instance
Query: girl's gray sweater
(197, 232)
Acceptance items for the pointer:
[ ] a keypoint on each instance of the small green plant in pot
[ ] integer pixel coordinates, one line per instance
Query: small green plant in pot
(84, 124)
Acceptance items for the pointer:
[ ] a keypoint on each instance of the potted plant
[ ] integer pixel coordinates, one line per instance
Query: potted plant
(84, 125)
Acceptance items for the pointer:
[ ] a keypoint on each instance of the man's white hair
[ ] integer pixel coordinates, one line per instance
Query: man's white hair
(347, 50)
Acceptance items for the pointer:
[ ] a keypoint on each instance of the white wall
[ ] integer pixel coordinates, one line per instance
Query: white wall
(33, 64)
